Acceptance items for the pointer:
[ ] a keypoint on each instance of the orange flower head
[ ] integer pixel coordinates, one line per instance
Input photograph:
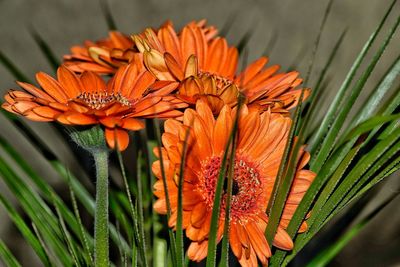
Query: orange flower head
(104, 56)
(107, 55)
(175, 56)
(260, 145)
(86, 99)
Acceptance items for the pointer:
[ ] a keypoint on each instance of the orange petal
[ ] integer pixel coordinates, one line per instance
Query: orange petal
(170, 40)
(258, 242)
(52, 87)
(197, 250)
(125, 79)
(46, 112)
(69, 81)
(173, 66)
(132, 124)
(191, 68)
(35, 91)
(282, 240)
(143, 82)
(222, 130)
(234, 241)
(198, 215)
(91, 82)
(34, 117)
(190, 87)
(229, 69)
(251, 71)
(80, 119)
(111, 122)
(155, 63)
(116, 137)
(217, 55)
(24, 106)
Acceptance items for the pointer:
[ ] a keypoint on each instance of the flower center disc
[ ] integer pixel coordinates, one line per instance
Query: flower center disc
(246, 187)
(98, 100)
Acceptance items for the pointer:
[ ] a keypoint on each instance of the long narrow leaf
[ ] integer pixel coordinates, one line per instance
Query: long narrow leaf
(376, 97)
(14, 70)
(328, 254)
(179, 229)
(354, 176)
(26, 232)
(46, 50)
(167, 199)
(139, 238)
(334, 107)
(7, 257)
(331, 136)
(212, 241)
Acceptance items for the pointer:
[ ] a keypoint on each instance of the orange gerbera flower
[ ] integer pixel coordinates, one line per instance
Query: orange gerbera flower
(174, 57)
(86, 100)
(260, 145)
(107, 55)
(104, 56)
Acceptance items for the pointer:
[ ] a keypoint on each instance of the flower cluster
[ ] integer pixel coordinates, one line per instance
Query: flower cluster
(190, 78)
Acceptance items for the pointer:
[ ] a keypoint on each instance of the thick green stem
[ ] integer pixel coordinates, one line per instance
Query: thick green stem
(101, 212)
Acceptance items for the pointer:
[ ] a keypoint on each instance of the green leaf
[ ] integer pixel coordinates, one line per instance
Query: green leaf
(369, 125)
(67, 236)
(212, 237)
(172, 240)
(45, 190)
(7, 257)
(83, 235)
(319, 182)
(225, 240)
(332, 183)
(329, 253)
(38, 211)
(337, 101)
(337, 123)
(14, 70)
(388, 170)
(105, 9)
(180, 254)
(26, 232)
(377, 95)
(140, 239)
(46, 50)
(245, 39)
(140, 203)
(273, 39)
(316, 93)
(317, 41)
(120, 215)
(87, 201)
(368, 161)
(284, 178)
(361, 187)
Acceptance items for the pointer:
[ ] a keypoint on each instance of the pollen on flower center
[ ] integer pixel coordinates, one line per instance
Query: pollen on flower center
(98, 100)
(246, 187)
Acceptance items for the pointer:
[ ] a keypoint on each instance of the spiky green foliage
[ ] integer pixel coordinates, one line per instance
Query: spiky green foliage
(350, 155)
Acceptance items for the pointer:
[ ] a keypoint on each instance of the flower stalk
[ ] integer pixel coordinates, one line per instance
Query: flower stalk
(101, 210)
(93, 140)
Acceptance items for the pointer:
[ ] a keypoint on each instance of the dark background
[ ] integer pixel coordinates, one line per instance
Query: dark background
(291, 25)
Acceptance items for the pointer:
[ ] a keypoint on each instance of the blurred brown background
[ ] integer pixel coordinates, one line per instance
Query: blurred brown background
(291, 25)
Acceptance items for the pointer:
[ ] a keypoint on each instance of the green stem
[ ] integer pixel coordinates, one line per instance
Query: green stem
(101, 213)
